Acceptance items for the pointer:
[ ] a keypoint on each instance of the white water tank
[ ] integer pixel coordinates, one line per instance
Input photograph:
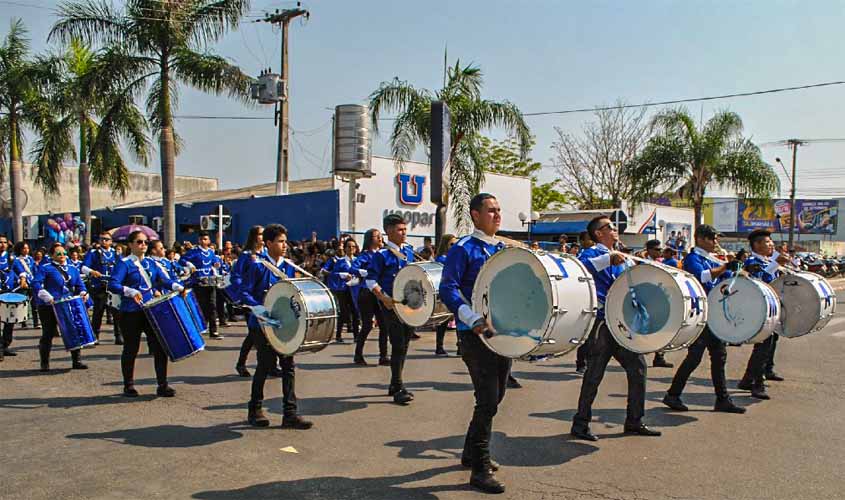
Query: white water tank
(352, 154)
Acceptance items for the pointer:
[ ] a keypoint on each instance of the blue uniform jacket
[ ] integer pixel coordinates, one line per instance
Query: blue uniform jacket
(699, 263)
(597, 260)
(441, 259)
(256, 281)
(338, 268)
(202, 260)
(463, 262)
(126, 277)
(167, 268)
(671, 262)
(385, 265)
(58, 281)
(24, 266)
(769, 269)
(7, 278)
(102, 261)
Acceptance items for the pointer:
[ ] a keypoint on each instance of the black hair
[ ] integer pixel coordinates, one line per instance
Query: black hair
(202, 234)
(594, 225)
(53, 247)
(477, 201)
(252, 238)
(369, 238)
(443, 246)
(19, 247)
(272, 231)
(391, 220)
(757, 235)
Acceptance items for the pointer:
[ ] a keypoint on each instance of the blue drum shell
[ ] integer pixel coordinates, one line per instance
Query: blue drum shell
(73, 322)
(175, 327)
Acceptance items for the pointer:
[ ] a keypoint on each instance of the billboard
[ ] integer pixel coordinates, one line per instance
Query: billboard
(812, 216)
(752, 215)
(721, 213)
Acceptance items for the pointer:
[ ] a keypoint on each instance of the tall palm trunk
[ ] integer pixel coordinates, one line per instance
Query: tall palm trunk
(15, 176)
(168, 159)
(84, 179)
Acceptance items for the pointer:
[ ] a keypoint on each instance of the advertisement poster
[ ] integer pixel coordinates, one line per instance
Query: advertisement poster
(721, 213)
(682, 238)
(812, 216)
(751, 216)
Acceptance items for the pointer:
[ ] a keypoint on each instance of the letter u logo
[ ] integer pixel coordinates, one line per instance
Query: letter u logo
(410, 188)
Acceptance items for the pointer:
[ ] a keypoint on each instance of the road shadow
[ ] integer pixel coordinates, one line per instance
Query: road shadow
(186, 379)
(221, 348)
(69, 402)
(513, 451)
(326, 366)
(546, 376)
(344, 488)
(168, 436)
(312, 406)
(697, 399)
(610, 417)
(424, 386)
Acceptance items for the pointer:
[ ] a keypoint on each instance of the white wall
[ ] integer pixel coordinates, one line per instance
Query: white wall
(669, 215)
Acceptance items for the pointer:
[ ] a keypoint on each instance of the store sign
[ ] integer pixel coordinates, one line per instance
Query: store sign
(412, 218)
(410, 188)
(811, 216)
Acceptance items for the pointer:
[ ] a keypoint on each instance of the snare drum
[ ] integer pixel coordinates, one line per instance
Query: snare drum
(416, 292)
(73, 322)
(196, 312)
(212, 281)
(667, 310)
(744, 311)
(14, 308)
(539, 304)
(113, 300)
(808, 303)
(175, 326)
(307, 311)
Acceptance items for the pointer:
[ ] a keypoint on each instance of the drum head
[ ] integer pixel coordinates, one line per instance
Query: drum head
(807, 301)
(284, 303)
(736, 318)
(12, 298)
(513, 290)
(644, 309)
(414, 287)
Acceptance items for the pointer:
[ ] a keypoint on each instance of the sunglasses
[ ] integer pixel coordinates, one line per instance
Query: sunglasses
(608, 225)
(59, 254)
(140, 242)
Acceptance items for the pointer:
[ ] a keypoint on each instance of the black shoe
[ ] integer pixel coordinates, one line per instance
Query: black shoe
(459, 352)
(45, 367)
(728, 406)
(256, 416)
(759, 392)
(581, 370)
(384, 361)
(744, 385)
(296, 422)
(165, 391)
(440, 352)
(774, 377)
(79, 365)
(359, 360)
(642, 430)
(661, 363)
(338, 340)
(96, 343)
(584, 434)
(415, 336)
(13, 354)
(130, 392)
(215, 336)
(242, 371)
(467, 462)
(118, 339)
(274, 372)
(223, 324)
(403, 397)
(514, 383)
(675, 403)
(485, 481)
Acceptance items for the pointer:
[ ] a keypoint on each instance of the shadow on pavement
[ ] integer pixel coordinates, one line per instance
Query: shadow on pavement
(697, 399)
(168, 436)
(185, 379)
(68, 402)
(344, 488)
(427, 385)
(311, 406)
(616, 416)
(547, 376)
(514, 451)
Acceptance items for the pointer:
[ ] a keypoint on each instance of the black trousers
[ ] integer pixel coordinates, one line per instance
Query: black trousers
(223, 306)
(248, 343)
(440, 334)
(760, 361)
(604, 347)
(347, 315)
(267, 361)
(489, 373)
(7, 337)
(718, 359)
(770, 363)
(100, 298)
(206, 296)
(49, 330)
(400, 337)
(34, 309)
(133, 324)
(582, 354)
(369, 308)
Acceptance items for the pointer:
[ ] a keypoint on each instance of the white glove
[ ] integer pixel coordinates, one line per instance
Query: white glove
(177, 287)
(131, 292)
(45, 296)
(362, 273)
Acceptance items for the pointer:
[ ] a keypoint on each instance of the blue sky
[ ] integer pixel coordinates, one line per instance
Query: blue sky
(542, 55)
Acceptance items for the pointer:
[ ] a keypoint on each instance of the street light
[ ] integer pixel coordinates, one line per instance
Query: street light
(524, 218)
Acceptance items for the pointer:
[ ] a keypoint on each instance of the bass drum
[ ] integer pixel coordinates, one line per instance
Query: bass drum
(808, 303)
(307, 312)
(539, 304)
(416, 291)
(652, 308)
(743, 311)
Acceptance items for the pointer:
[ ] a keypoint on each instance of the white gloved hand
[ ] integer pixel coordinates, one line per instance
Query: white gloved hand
(131, 292)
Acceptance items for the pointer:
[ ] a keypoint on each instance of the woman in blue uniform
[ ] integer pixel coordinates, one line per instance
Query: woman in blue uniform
(446, 242)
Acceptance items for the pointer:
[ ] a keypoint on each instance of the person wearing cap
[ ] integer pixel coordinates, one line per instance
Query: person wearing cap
(653, 252)
(708, 270)
(669, 255)
(764, 264)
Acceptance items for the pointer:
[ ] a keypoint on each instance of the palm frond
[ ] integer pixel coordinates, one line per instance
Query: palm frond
(211, 20)
(394, 96)
(211, 73)
(91, 21)
(51, 149)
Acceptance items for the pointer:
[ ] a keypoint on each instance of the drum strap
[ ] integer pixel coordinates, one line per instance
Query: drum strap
(26, 267)
(275, 270)
(399, 255)
(143, 272)
(65, 276)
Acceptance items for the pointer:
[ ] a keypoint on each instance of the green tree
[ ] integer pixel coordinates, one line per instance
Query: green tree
(471, 114)
(168, 41)
(92, 84)
(504, 157)
(681, 158)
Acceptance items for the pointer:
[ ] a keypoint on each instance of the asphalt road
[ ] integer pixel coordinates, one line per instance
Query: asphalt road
(69, 434)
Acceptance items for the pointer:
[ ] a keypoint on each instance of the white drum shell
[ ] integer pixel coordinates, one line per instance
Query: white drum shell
(308, 313)
(808, 303)
(753, 305)
(561, 325)
(113, 300)
(686, 310)
(425, 278)
(14, 312)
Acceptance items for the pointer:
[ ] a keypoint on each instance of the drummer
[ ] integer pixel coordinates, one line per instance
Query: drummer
(386, 263)
(709, 271)
(368, 304)
(99, 263)
(24, 270)
(7, 283)
(157, 255)
(221, 304)
(56, 280)
(764, 264)
(257, 280)
(203, 263)
(137, 278)
(606, 265)
(488, 370)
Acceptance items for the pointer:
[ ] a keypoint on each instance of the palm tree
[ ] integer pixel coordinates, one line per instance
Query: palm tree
(470, 115)
(21, 81)
(92, 84)
(688, 161)
(167, 40)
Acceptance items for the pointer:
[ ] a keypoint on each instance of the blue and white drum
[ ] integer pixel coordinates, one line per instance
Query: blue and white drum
(74, 325)
(175, 325)
(416, 291)
(113, 300)
(196, 312)
(539, 304)
(652, 307)
(14, 308)
(743, 311)
(808, 303)
(307, 312)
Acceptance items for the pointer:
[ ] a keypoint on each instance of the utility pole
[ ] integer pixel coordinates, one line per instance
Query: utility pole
(794, 143)
(283, 19)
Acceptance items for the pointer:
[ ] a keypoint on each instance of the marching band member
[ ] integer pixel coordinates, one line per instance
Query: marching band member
(488, 370)
(54, 281)
(73, 259)
(708, 271)
(606, 265)
(24, 270)
(99, 263)
(339, 271)
(221, 302)
(654, 253)
(203, 262)
(763, 264)
(138, 279)
(157, 254)
(669, 255)
(260, 276)
(386, 263)
(368, 304)
(446, 243)
(7, 283)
